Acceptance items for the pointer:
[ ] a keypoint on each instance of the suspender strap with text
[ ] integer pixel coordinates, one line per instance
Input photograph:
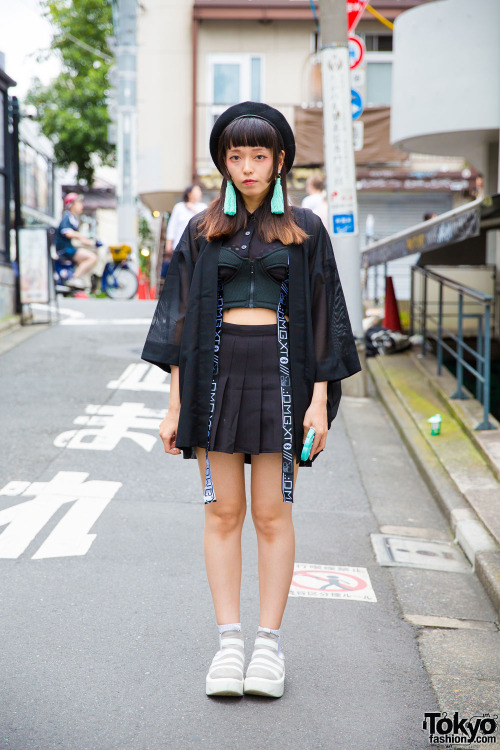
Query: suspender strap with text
(286, 397)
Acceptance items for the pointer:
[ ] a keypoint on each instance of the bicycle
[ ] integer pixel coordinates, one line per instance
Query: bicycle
(118, 280)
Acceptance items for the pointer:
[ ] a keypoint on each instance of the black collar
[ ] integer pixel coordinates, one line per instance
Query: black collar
(254, 214)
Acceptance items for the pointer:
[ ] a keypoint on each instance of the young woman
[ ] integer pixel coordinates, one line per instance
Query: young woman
(253, 327)
(190, 205)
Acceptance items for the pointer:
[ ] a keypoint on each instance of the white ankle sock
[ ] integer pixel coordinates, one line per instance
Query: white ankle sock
(276, 632)
(231, 626)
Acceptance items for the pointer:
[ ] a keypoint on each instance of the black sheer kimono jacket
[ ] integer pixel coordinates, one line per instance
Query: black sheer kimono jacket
(182, 332)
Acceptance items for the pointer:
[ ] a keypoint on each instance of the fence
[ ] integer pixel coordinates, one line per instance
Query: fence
(480, 307)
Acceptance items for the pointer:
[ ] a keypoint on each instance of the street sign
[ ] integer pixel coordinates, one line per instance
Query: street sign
(35, 266)
(343, 223)
(357, 104)
(355, 10)
(339, 155)
(358, 134)
(357, 50)
(358, 78)
(358, 81)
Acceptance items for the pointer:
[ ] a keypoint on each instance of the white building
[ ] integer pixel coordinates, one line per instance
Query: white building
(197, 58)
(447, 101)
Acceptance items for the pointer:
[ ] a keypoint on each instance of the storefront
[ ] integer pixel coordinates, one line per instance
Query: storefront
(7, 278)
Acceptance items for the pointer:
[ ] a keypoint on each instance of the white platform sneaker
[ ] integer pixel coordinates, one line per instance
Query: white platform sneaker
(225, 676)
(266, 671)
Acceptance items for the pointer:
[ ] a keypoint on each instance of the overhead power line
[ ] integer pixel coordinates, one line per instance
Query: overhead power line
(87, 47)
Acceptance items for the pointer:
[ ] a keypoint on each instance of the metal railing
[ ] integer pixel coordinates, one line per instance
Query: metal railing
(482, 353)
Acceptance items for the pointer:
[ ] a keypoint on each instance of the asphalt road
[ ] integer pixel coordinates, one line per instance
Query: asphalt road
(107, 623)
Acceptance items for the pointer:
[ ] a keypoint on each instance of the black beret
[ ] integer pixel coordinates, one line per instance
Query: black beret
(264, 112)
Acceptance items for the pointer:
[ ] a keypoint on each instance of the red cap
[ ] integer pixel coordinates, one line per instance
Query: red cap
(71, 198)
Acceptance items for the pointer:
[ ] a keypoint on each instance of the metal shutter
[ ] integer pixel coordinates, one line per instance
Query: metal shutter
(394, 212)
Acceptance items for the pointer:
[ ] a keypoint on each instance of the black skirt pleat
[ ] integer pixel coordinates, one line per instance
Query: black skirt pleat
(247, 414)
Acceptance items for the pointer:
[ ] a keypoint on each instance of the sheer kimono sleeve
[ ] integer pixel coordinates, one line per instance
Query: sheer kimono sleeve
(334, 343)
(163, 341)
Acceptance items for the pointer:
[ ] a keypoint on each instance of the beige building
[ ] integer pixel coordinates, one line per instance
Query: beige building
(198, 57)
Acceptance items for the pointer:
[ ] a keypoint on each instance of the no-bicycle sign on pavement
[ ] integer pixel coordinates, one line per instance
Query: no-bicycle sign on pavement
(331, 582)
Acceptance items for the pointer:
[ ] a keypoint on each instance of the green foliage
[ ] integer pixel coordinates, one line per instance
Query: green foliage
(72, 110)
(146, 239)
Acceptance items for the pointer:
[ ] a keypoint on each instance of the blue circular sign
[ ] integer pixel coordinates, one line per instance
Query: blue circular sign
(357, 104)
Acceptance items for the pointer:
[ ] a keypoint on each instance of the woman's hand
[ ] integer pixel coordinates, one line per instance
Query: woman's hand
(168, 431)
(316, 417)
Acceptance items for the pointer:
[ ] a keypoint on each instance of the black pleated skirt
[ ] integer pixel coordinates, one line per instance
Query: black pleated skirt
(247, 415)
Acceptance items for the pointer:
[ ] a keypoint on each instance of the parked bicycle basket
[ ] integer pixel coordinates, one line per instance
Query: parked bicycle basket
(120, 252)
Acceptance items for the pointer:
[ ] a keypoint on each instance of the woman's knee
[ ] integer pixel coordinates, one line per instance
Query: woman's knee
(271, 520)
(225, 517)
(228, 511)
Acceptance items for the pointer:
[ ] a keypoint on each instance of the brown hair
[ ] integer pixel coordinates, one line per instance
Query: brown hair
(251, 131)
(316, 181)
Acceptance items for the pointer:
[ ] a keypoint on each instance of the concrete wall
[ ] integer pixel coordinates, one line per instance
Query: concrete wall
(7, 291)
(446, 80)
(107, 225)
(285, 47)
(164, 96)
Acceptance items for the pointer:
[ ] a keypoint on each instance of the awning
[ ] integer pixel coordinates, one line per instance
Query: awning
(308, 129)
(452, 226)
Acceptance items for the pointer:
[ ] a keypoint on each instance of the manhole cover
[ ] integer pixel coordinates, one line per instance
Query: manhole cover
(411, 552)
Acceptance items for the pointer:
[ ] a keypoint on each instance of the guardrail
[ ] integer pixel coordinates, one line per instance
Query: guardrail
(482, 353)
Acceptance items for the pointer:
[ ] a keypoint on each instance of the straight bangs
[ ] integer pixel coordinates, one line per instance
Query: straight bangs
(252, 132)
(248, 131)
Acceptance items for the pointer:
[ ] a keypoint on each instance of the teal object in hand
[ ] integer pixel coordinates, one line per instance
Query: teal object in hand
(307, 445)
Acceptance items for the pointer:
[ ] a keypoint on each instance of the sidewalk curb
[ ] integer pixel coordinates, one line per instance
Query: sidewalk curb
(9, 324)
(458, 408)
(470, 533)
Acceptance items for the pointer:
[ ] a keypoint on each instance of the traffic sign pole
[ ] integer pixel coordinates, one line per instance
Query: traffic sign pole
(339, 155)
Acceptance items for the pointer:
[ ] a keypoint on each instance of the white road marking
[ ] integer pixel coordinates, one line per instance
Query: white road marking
(106, 322)
(63, 310)
(109, 424)
(70, 537)
(331, 582)
(137, 378)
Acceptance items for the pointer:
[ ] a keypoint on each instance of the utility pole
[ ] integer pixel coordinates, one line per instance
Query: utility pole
(125, 29)
(339, 156)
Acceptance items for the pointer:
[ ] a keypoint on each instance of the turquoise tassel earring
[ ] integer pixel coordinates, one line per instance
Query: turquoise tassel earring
(277, 203)
(230, 199)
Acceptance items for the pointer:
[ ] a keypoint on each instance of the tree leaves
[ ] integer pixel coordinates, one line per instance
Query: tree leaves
(72, 110)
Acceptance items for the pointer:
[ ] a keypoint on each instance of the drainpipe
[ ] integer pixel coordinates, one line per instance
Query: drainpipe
(16, 185)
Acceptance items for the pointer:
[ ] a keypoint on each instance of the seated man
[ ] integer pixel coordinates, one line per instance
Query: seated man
(69, 241)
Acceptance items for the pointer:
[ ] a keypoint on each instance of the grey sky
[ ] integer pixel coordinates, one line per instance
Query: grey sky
(24, 31)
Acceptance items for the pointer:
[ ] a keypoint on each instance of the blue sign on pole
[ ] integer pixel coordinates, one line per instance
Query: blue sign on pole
(343, 223)
(357, 104)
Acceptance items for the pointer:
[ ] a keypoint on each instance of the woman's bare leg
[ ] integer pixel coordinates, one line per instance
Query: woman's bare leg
(86, 260)
(275, 537)
(223, 524)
